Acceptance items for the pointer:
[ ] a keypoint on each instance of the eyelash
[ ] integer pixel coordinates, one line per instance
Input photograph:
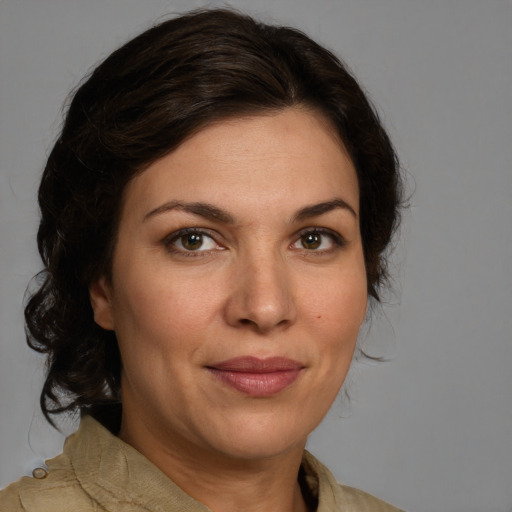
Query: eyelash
(336, 238)
(168, 241)
(173, 237)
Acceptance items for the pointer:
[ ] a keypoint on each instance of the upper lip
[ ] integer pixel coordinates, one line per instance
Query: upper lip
(250, 364)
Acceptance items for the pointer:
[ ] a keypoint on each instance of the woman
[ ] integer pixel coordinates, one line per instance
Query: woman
(214, 217)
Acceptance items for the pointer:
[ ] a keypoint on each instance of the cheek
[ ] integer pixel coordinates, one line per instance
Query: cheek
(338, 310)
(162, 310)
(338, 302)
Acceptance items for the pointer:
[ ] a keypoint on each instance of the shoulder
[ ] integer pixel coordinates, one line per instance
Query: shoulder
(56, 490)
(332, 496)
(10, 498)
(360, 501)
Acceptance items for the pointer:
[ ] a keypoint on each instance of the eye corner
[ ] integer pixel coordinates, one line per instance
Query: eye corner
(192, 242)
(316, 240)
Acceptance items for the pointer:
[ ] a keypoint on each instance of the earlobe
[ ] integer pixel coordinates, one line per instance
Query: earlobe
(101, 302)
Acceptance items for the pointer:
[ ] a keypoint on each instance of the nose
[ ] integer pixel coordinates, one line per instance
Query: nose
(261, 297)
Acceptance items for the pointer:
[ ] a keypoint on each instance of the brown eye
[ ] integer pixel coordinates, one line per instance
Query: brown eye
(192, 241)
(311, 240)
(318, 240)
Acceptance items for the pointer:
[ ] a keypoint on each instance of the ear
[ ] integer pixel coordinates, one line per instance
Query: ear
(100, 296)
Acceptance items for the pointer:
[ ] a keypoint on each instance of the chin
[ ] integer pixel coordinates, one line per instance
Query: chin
(263, 448)
(252, 440)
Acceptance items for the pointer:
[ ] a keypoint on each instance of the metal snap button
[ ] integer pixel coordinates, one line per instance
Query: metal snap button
(39, 473)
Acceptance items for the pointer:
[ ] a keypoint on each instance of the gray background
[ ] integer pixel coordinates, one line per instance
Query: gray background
(432, 429)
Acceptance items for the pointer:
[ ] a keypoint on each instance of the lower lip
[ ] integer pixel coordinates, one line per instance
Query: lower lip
(257, 384)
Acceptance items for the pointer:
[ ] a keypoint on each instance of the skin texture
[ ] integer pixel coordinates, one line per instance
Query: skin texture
(257, 286)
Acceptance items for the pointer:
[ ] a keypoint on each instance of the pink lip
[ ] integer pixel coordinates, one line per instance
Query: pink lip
(257, 377)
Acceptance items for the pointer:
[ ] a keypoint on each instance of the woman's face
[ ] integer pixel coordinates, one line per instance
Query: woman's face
(238, 287)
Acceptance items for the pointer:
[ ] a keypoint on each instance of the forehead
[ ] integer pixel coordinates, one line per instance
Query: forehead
(259, 161)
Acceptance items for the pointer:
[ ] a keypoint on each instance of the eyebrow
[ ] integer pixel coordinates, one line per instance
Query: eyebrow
(208, 211)
(321, 208)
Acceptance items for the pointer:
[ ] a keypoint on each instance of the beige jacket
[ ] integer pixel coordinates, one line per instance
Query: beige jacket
(97, 472)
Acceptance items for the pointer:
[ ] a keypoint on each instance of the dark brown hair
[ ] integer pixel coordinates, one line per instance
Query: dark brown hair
(138, 105)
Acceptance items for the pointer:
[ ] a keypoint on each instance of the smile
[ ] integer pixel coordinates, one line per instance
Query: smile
(257, 377)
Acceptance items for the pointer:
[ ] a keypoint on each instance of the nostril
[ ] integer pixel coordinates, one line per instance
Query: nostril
(260, 302)
(261, 326)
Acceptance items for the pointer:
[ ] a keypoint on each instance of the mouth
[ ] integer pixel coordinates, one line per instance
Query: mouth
(257, 377)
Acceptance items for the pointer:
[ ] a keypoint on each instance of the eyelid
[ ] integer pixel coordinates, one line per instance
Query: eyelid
(169, 240)
(336, 237)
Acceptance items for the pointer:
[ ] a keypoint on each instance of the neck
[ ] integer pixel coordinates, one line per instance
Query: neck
(224, 484)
